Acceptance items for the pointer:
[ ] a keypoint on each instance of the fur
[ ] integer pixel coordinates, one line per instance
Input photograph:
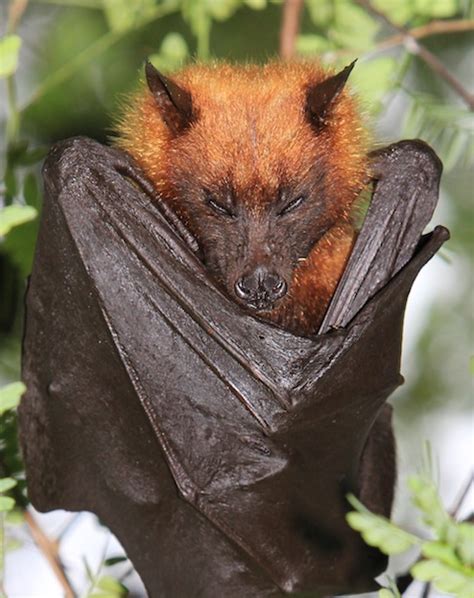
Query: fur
(250, 142)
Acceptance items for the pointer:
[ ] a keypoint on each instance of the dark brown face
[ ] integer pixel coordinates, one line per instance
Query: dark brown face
(257, 179)
(253, 252)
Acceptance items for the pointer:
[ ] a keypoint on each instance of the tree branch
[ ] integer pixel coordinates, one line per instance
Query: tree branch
(290, 27)
(428, 57)
(49, 549)
(433, 28)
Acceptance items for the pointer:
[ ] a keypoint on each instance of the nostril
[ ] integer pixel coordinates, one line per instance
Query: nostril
(241, 289)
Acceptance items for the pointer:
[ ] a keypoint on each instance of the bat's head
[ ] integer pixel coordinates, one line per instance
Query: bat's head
(259, 162)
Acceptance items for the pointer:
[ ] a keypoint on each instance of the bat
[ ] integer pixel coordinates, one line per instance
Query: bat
(218, 447)
(262, 165)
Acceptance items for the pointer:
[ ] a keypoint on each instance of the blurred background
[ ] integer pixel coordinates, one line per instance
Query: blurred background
(65, 67)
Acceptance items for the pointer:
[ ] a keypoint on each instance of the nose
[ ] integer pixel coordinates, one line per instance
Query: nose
(260, 288)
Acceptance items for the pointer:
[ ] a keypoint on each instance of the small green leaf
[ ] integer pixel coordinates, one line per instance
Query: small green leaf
(378, 531)
(10, 396)
(108, 587)
(444, 578)
(123, 15)
(425, 496)
(173, 52)
(9, 52)
(322, 12)
(256, 4)
(7, 484)
(14, 215)
(6, 504)
(441, 552)
(221, 10)
(354, 28)
(109, 584)
(114, 560)
(386, 593)
(465, 543)
(398, 11)
(436, 9)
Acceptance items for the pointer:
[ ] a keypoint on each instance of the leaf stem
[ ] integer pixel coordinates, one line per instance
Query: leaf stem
(49, 548)
(414, 47)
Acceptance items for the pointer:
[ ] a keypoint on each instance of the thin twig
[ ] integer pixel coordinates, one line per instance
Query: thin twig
(462, 496)
(413, 46)
(433, 28)
(290, 26)
(49, 548)
(426, 590)
(15, 12)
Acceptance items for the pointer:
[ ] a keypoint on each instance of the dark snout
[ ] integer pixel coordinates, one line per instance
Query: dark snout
(260, 289)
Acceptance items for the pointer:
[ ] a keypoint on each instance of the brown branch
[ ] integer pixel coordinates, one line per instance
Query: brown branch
(433, 28)
(49, 549)
(290, 26)
(15, 12)
(413, 46)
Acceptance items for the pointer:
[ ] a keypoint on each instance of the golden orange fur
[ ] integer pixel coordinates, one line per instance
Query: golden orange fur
(246, 116)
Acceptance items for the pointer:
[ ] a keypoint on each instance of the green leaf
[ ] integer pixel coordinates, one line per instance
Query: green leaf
(108, 587)
(441, 552)
(398, 11)
(221, 10)
(354, 28)
(386, 593)
(444, 578)
(7, 484)
(14, 215)
(123, 15)
(10, 396)
(173, 52)
(313, 44)
(9, 52)
(425, 496)
(114, 560)
(6, 503)
(256, 4)
(436, 9)
(378, 531)
(465, 543)
(321, 12)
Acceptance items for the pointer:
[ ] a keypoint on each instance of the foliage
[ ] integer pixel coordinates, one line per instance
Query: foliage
(447, 557)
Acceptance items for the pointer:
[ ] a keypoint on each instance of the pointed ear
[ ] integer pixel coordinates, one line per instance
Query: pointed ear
(322, 96)
(174, 102)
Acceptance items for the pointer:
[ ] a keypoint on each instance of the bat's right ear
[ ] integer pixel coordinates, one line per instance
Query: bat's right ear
(174, 102)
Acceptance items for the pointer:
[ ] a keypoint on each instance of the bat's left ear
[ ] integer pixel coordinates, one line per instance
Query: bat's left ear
(322, 96)
(174, 103)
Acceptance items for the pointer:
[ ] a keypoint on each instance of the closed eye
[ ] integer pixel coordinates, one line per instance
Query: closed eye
(292, 205)
(219, 208)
